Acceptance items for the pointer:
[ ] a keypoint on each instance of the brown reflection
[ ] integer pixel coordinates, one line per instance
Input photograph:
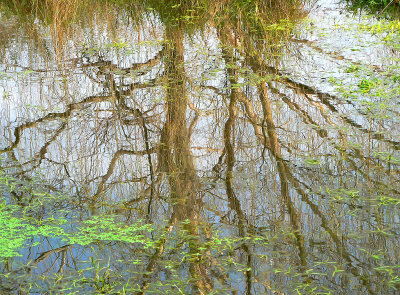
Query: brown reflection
(156, 136)
(264, 130)
(229, 130)
(176, 161)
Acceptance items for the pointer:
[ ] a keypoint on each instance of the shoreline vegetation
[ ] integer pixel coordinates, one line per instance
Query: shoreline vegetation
(199, 147)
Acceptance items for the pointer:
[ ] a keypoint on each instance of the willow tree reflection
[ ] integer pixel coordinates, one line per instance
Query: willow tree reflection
(199, 126)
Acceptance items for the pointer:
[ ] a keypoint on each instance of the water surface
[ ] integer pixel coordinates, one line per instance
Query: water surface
(166, 148)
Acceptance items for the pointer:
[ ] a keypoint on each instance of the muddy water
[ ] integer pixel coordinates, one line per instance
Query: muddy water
(257, 145)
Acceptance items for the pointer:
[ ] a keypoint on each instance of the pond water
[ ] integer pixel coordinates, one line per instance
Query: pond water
(232, 147)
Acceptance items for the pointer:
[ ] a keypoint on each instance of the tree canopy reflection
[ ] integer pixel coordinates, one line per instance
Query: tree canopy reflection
(180, 115)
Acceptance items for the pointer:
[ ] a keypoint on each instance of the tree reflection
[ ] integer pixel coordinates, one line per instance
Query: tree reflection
(202, 131)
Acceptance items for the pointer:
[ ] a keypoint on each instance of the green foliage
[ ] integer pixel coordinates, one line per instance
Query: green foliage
(13, 233)
(382, 8)
(106, 229)
(365, 85)
(132, 244)
(16, 231)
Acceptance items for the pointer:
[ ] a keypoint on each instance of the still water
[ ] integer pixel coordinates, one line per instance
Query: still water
(232, 147)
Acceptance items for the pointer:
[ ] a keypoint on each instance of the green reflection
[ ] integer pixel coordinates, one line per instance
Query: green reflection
(161, 148)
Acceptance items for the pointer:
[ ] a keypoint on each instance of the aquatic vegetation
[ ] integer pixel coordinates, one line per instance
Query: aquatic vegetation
(381, 8)
(197, 147)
